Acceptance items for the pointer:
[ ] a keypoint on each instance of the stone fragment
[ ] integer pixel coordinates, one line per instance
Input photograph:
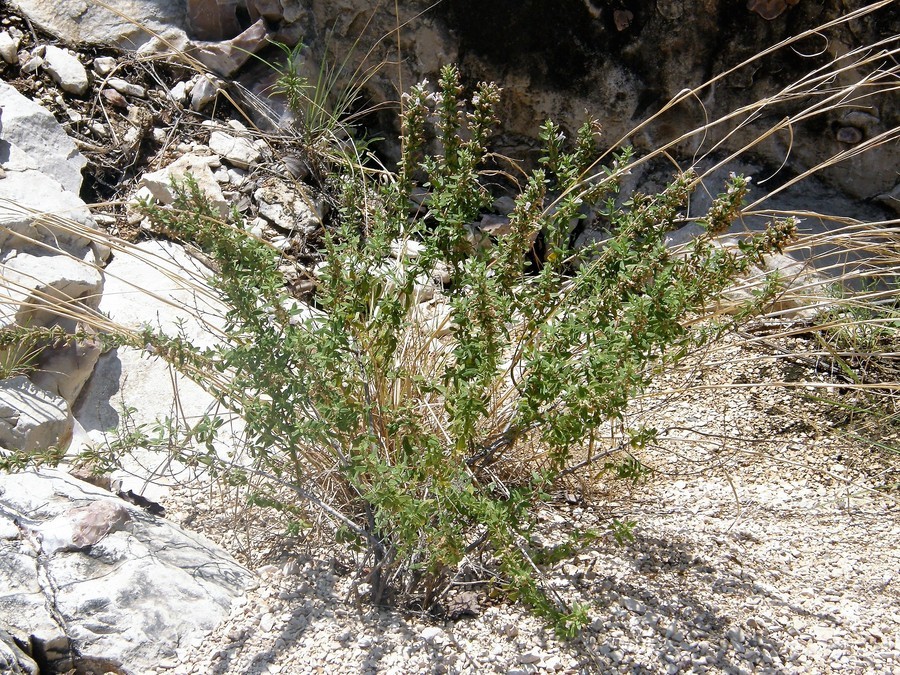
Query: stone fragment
(104, 65)
(127, 88)
(114, 98)
(531, 656)
(433, 634)
(66, 70)
(238, 151)
(31, 63)
(288, 207)
(160, 182)
(36, 132)
(204, 92)
(30, 418)
(123, 586)
(226, 57)
(179, 92)
(9, 47)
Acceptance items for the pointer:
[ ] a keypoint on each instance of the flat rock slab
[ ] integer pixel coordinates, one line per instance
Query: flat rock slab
(34, 130)
(124, 24)
(102, 584)
(30, 418)
(157, 284)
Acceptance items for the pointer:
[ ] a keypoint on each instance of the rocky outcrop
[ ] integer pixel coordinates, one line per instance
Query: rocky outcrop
(94, 583)
(555, 59)
(622, 63)
(126, 24)
(32, 418)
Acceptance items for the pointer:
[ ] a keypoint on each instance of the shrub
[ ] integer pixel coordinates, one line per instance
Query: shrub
(427, 441)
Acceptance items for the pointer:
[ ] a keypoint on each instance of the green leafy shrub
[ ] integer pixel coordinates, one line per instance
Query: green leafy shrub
(428, 439)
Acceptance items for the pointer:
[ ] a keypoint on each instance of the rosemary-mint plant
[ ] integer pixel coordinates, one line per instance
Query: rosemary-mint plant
(428, 446)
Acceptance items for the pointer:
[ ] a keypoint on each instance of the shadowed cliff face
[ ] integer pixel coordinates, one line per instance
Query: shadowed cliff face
(621, 61)
(555, 41)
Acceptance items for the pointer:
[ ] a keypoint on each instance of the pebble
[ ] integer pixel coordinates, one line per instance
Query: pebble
(127, 88)
(9, 47)
(66, 70)
(530, 656)
(104, 65)
(432, 634)
(267, 622)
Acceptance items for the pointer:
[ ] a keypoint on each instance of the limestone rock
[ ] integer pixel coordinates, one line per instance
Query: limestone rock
(12, 659)
(37, 133)
(65, 370)
(31, 418)
(9, 47)
(236, 150)
(37, 212)
(127, 587)
(204, 92)
(288, 207)
(124, 24)
(66, 70)
(156, 283)
(39, 287)
(160, 182)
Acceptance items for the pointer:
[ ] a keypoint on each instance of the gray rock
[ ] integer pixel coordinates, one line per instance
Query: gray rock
(9, 47)
(37, 133)
(160, 182)
(30, 418)
(204, 92)
(96, 582)
(66, 70)
(12, 659)
(288, 207)
(124, 24)
(238, 151)
(127, 88)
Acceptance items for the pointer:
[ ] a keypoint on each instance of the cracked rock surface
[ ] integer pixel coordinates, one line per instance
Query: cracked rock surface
(93, 582)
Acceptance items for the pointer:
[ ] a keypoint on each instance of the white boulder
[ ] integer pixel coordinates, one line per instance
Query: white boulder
(94, 583)
(124, 24)
(30, 418)
(35, 131)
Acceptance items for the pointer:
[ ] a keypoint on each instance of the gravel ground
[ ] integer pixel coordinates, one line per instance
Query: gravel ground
(760, 546)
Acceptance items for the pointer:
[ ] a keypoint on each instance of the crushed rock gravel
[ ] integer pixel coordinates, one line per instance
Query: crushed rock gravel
(761, 546)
